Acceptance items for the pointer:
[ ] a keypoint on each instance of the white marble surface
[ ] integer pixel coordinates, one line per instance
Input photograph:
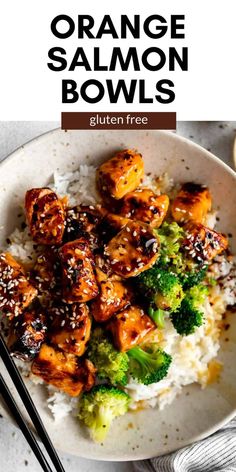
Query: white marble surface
(15, 455)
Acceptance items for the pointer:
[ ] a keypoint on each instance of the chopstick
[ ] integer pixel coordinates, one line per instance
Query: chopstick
(12, 406)
(29, 405)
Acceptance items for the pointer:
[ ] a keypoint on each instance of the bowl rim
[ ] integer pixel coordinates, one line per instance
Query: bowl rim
(175, 137)
(172, 134)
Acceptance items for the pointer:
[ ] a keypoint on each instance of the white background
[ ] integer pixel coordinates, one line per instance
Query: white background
(30, 91)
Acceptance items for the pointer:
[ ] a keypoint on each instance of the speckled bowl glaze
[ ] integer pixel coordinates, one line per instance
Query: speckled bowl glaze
(195, 413)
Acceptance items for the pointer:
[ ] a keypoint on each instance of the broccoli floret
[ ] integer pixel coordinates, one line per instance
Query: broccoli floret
(169, 293)
(100, 406)
(188, 317)
(193, 277)
(110, 363)
(197, 295)
(161, 287)
(149, 364)
(171, 236)
(158, 316)
(172, 259)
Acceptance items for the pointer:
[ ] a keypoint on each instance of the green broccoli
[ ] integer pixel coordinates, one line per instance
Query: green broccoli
(149, 364)
(170, 293)
(171, 236)
(197, 295)
(188, 317)
(161, 287)
(172, 259)
(158, 316)
(110, 363)
(192, 277)
(100, 406)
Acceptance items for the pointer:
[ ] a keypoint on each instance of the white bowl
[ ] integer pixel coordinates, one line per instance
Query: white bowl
(195, 413)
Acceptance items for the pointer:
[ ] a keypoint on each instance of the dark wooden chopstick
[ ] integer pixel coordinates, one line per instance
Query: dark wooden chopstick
(29, 405)
(13, 408)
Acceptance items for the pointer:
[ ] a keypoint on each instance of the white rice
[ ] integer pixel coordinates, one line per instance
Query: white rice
(60, 404)
(79, 186)
(22, 247)
(192, 355)
(160, 184)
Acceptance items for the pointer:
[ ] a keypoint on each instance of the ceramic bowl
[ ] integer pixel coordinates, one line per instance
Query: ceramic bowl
(195, 413)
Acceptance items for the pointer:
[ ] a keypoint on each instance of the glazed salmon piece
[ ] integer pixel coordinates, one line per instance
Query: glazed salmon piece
(82, 221)
(64, 370)
(27, 333)
(45, 214)
(110, 225)
(46, 273)
(144, 205)
(113, 296)
(203, 243)
(78, 278)
(133, 250)
(130, 327)
(71, 327)
(120, 174)
(16, 292)
(192, 203)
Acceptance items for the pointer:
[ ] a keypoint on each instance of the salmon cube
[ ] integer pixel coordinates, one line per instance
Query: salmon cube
(27, 333)
(46, 273)
(192, 203)
(16, 292)
(120, 174)
(202, 243)
(71, 327)
(144, 205)
(110, 225)
(133, 250)
(114, 295)
(78, 278)
(82, 221)
(64, 370)
(130, 327)
(46, 215)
